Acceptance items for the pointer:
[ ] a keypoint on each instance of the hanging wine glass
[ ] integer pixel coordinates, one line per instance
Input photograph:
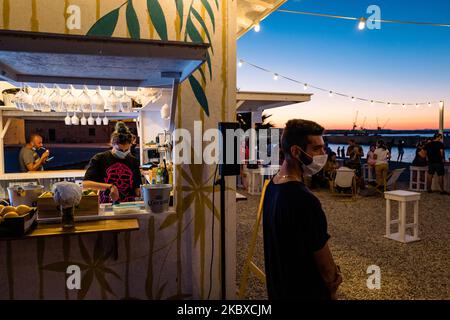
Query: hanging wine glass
(97, 101)
(75, 120)
(27, 100)
(36, 96)
(84, 101)
(98, 120)
(69, 100)
(113, 101)
(105, 120)
(55, 99)
(43, 102)
(83, 120)
(91, 120)
(18, 98)
(68, 120)
(125, 101)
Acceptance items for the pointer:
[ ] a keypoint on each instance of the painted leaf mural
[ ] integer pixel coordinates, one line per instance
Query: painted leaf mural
(199, 93)
(106, 25)
(180, 9)
(157, 16)
(132, 21)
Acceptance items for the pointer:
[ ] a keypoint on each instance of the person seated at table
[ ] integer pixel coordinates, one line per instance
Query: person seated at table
(29, 159)
(329, 170)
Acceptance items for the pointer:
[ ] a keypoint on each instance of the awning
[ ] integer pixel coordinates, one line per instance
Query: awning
(72, 59)
(248, 101)
(251, 12)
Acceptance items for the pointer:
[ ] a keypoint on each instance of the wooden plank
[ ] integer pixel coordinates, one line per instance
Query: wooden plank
(48, 230)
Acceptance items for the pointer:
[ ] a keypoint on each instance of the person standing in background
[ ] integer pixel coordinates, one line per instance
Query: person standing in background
(401, 150)
(435, 154)
(381, 156)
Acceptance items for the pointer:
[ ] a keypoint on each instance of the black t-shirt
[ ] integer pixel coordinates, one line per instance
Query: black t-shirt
(433, 150)
(123, 173)
(295, 227)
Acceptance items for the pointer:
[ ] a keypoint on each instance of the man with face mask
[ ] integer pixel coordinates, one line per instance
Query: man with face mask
(29, 160)
(115, 172)
(298, 262)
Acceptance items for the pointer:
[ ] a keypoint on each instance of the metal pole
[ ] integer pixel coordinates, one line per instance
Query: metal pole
(441, 117)
(223, 237)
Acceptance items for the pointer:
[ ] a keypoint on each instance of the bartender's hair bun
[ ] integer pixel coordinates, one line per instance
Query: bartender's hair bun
(121, 134)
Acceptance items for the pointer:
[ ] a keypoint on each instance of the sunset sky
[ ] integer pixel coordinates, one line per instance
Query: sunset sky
(398, 63)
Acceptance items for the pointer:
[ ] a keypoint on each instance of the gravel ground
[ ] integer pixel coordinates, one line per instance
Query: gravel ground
(418, 270)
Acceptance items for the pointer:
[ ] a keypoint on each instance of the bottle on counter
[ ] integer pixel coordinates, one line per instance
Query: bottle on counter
(165, 173)
(159, 175)
(170, 168)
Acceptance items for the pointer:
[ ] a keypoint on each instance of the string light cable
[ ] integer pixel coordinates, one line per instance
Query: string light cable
(363, 19)
(331, 93)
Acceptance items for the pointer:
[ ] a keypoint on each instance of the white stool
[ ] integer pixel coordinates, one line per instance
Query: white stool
(368, 173)
(402, 197)
(418, 178)
(254, 187)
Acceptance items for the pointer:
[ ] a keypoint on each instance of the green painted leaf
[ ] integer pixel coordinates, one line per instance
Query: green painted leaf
(202, 23)
(192, 32)
(180, 296)
(210, 13)
(170, 220)
(217, 4)
(202, 74)
(195, 36)
(208, 62)
(157, 16)
(161, 291)
(86, 282)
(179, 4)
(103, 282)
(199, 94)
(110, 271)
(106, 25)
(132, 21)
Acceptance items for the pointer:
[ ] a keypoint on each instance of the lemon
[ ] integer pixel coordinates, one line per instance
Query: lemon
(23, 209)
(7, 209)
(11, 215)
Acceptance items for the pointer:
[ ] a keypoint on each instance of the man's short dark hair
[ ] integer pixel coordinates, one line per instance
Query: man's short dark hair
(296, 133)
(32, 136)
(437, 135)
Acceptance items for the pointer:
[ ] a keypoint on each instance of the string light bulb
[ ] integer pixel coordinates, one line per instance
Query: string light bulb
(275, 76)
(362, 23)
(417, 105)
(353, 99)
(389, 105)
(240, 63)
(403, 105)
(257, 27)
(330, 94)
(429, 104)
(305, 86)
(371, 102)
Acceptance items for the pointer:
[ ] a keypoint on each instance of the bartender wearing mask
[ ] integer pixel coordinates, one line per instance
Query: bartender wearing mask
(29, 160)
(115, 172)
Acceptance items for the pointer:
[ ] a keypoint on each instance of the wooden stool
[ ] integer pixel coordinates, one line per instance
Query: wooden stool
(402, 197)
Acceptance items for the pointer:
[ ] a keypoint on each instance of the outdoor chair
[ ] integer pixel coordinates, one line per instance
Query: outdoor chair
(344, 183)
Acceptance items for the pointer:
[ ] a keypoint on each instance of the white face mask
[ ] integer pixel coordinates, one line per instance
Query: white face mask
(317, 164)
(120, 154)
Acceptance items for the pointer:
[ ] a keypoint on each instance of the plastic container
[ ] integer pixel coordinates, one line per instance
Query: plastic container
(27, 195)
(156, 197)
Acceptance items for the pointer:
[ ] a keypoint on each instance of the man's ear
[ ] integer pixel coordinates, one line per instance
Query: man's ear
(295, 152)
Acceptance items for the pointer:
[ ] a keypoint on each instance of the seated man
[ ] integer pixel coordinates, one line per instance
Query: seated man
(29, 160)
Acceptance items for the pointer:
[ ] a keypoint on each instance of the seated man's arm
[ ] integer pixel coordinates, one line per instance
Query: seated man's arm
(34, 165)
(328, 269)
